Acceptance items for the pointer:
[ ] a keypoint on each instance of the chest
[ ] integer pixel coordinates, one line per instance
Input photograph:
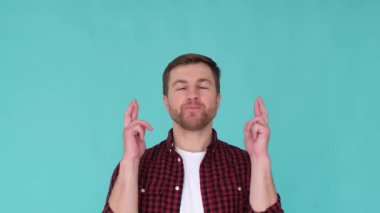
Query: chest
(223, 183)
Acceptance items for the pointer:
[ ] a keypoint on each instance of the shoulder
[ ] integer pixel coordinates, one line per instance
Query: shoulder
(232, 152)
(153, 161)
(155, 151)
(237, 159)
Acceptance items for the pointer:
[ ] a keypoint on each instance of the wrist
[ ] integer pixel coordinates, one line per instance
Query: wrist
(260, 158)
(130, 159)
(260, 164)
(129, 165)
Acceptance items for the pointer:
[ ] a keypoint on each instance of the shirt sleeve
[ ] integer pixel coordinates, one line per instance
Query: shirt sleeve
(275, 208)
(107, 208)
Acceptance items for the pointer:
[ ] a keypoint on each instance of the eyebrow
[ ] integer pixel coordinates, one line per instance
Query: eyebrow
(201, 80)
(179, 82)
(204, 80)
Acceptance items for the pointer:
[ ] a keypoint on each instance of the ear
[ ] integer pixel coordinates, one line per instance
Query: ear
(166, 102)
(218, 97)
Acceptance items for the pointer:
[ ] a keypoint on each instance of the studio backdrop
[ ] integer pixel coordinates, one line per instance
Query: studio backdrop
(68, 70)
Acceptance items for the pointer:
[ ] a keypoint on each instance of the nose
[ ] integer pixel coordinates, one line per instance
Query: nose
(192, 94)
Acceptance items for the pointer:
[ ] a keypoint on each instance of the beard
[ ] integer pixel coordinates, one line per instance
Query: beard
(193, 121)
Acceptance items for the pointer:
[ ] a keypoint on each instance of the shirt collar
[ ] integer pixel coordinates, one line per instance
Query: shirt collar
(210, 148)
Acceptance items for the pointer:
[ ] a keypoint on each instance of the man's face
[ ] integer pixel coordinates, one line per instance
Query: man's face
(192, 99)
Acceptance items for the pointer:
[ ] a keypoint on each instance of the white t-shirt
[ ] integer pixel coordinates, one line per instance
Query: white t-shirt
(191, 193)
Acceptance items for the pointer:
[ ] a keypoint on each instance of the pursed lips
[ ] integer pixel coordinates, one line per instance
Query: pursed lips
(192, 107)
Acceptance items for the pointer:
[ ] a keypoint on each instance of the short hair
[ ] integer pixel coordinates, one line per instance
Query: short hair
(190, 58)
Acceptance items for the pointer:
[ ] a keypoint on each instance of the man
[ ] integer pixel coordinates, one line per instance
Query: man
(192, 170)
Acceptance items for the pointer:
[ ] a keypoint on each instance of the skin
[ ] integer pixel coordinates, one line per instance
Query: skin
(124, 195)
(192, 102)
(192, 95)
(256, 139)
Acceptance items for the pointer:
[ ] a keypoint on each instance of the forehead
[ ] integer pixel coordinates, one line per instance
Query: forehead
(191, 72)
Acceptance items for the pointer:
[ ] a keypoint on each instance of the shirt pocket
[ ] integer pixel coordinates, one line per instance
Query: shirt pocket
(233, 195)
(150, 196)
(152, 188)
(232, 186)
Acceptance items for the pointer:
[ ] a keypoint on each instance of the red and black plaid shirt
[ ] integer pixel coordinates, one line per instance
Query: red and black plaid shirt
(225, 175)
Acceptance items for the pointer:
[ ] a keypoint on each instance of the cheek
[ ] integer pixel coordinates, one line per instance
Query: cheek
(210, 101)
(175, 100)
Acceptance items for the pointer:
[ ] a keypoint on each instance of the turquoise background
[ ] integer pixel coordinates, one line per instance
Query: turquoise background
(68, 70)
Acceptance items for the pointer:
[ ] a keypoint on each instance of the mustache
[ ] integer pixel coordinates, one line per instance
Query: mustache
(193, 103)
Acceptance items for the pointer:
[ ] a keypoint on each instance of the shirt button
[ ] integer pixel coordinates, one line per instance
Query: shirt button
(179, 159)
(142, 190)
(176, 188)
(239, 188)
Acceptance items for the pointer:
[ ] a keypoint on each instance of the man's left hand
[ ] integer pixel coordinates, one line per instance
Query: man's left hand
(257, 132)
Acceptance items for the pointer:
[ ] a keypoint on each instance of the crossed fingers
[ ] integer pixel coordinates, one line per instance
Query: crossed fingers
(132, 113)
(260, 110)
(258, 124)
(132, 122)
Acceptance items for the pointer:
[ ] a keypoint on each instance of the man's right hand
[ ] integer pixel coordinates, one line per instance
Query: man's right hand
(134, 133)
(124, 194)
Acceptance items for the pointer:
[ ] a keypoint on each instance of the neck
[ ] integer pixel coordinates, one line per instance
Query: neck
(192, 141)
